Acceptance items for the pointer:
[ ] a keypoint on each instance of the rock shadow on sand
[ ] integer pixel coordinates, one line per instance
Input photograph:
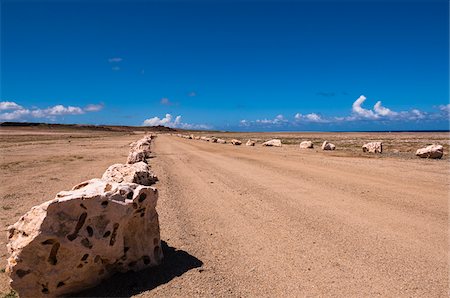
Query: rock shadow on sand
(175, 263)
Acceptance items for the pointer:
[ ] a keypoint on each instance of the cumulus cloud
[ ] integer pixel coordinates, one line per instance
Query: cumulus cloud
(382, 111)
(311, 117)
(169, 121)
(115, 60)
(359, 113)
(279, 119)
(20, 113)
(166, 121)
(445, 108)
(358, 110)
(9, 105)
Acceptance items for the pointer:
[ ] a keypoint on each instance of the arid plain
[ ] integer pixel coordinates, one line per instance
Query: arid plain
(259, 221)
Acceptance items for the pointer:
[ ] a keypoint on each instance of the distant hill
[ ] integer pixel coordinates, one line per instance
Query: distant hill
(87, 127)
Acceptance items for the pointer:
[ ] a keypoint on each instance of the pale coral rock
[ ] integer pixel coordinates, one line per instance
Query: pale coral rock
(272, 143)
(373, 147)
(221, 141)
(136, 156)
(328, 146)
(250, 143)
(306, 145)
(139, 173)
(432, 151)
(235, 142)
(83, 236)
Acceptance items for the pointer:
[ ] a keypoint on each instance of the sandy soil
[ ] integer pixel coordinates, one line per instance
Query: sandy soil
(255, 221)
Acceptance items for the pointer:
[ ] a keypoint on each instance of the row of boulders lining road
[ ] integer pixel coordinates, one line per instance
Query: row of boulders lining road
(86, 234)
(431, 151)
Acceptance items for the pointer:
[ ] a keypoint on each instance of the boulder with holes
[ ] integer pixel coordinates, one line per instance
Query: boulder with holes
(306, 145)
(373, 147)
(432, 151)
(272, 143)
(235, 142)
(328, 146)
(250, 143)
(83, 236)
(136, 156)
(139, 173)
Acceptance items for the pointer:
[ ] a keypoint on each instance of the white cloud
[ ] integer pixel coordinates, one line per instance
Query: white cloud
(9, 105)
(445, 108)
(278, 120)
(15, 115)
(192, 94)
(379, 113)
(416, 115)
(173, 123)
(383, 111)
(93, 107)
(20, 113)
(311, 117)
(358, 110)
(166, 121)
(62, 110)
(115, 60)
(115, 68)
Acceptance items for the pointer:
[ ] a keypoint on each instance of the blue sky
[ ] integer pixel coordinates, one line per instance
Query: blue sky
(236, 65)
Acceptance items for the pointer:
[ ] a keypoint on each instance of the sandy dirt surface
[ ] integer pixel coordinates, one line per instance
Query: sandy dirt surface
(256, 221)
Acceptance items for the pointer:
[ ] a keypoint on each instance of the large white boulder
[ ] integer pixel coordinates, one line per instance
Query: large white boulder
(83, 236)
(250, 143)
(221, 141)
(139, 173)
(272, 143)
(373, 147)
(328, 146)
(235, 142)
(306, 145)
(432, 151)
(136, 156)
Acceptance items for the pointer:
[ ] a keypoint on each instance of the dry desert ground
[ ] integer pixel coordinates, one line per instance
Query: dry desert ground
(258, 221)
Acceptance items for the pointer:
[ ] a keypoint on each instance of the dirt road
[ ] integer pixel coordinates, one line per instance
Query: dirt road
(256, 221)
(279, 221)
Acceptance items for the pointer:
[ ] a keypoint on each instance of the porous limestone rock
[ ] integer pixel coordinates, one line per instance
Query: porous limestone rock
(235, 142)
(306, 145)
(432, 151)
(130, 173)
(213, 140)
(373, 147)
(141, 145)
(328, 146)
(83, 236)
(250, 143)
(221, 141)
(272, 143)
(136, 156)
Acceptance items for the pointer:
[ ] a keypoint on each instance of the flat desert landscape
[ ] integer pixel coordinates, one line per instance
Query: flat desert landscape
(259, 221)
